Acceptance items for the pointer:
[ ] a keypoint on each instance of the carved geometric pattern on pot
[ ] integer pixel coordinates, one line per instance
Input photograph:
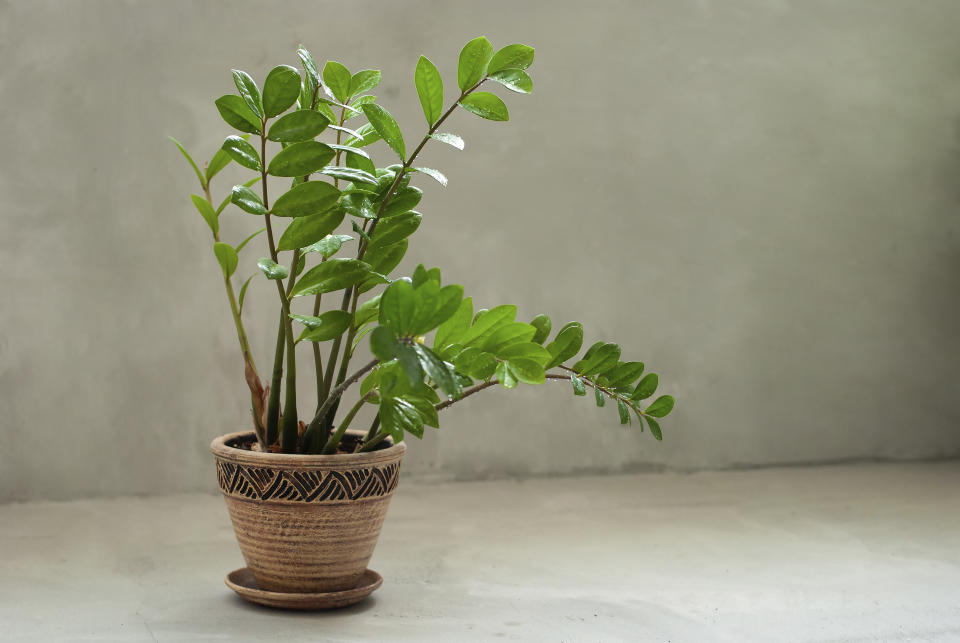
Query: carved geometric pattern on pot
(259, 483)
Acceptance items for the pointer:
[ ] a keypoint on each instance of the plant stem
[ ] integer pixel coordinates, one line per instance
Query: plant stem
(334, 441)
(467, 393)
(369, 444)
(373, 428)
(311, 435)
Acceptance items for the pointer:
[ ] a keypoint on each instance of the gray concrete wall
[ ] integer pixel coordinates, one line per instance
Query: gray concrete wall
(757, 198)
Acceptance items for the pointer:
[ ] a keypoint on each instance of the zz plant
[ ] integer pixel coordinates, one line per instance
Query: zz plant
(334, 181)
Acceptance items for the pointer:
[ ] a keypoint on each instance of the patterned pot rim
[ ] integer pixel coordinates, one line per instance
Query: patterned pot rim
(222, 447)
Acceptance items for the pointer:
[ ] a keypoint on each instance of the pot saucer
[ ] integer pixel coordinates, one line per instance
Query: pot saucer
(242, 582)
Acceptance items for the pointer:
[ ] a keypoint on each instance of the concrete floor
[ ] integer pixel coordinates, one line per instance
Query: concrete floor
(840, 553)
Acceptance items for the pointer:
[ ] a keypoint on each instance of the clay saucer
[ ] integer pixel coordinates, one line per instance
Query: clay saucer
(242, 582)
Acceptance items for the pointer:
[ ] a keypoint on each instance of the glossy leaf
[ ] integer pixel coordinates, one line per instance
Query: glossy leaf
(410, 365)
(346, 130)
(403, 200)
(598, 395)
(472, 66)
(486, 105)
(368, 135)
(271, 269)
(310, 198)
(242, 152)
(436, 369)
(624, 412)
(513, 57)
(309, 65)
(281, 88)
(385, 125)
(333, 274)
(349, 174)
(436, 175)
(327, 326)
(430, 89)
(226, 257)
(367, 312)
(358, 103)
(450, 331)
(654, 428)
(219, 161)
(353, 151)
(398, 416)
(526, 350)
(189, 158)
(248, 91)
(578, 387)
(487, 322)
(305, 231)
(515, 80)
(394, 229)
(602, 360)
(384, 344)
(625, 374)
(300, 159)
(226, 201)
(426, 409)
(298, 126)
(358, 159)
(358, 204)
(507, 335)
(527, 370)
(543, 325)
(449, 139)
(447, 303)
(247, 200)
(337, 78)
(206, 211)
(397, 306)
(506, 377)
(363, 81)
(329, 245)
(566, 345)
(661, 407)
(243, 292)
(646, 387)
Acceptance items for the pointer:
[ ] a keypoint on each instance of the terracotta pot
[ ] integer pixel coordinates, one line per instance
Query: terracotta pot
(305, 523)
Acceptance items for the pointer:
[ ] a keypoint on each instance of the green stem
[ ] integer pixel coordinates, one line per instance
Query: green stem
(370, 444)
(334, 441)
(311, 437)
(273, 404)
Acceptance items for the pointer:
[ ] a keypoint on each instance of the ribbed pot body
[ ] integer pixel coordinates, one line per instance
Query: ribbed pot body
(305, 523)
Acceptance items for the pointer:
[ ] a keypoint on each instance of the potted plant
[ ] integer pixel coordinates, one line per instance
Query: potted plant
(308, 495)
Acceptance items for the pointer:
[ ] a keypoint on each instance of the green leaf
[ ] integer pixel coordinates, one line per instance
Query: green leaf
(486, 105)
(243, 292)
(655, 428)
(219, 161)
(333, 274)
(363, 81)
(513, 57)
(437, 370)
(394, 229)
(450, 331)
(309, 65)
(625, 374)
(367, 312)
(226, 256)
(358, 103)
(646, 387)
(429, 89)
(189, 158)
(337, 78)
(397, 306)
(368, 135)
(527, 370)
(312, 197)
(242, 152)
(206, 211)
(229, 197)
(515, 80)
(506, 377)
(354, 151)
(598, 395)
(327, 326)
(358, 204)
(281, 89)
(249, 91)
(486, 323)
(661, 407)
(410, 364)
(398, 415)
(436, 175)
(526, 350)
(385, 125)
(449, 139)
(329, 245)
(298, 126)
(602, 360)
(358, 160)
(403, 200)
(474, 58)
(426, 409)
(305, 231)
(543, 325)
(565, 345)
(578, 387)
(300, 159)
(247, 200)
(347, 130)
(507, 335)
(247, 240)
(349, 174)
(447, 303)
(272, 269)
(624, 412)
(383, 260)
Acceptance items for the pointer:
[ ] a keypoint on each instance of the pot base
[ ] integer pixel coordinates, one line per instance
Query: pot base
(242, 582)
